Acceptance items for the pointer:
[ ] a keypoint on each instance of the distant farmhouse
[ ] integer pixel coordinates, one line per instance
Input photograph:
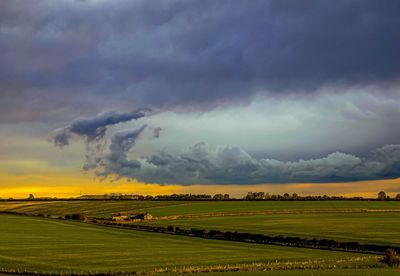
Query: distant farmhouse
(131, 217)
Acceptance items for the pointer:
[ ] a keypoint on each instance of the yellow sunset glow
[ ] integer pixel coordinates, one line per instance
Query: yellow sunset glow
(69, 184)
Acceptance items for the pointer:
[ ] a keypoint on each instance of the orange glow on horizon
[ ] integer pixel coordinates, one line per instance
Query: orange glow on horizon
(75, 184)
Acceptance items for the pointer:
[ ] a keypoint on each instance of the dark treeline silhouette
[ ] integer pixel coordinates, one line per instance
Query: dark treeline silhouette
(77, 216)
(250, 196)
(286, 196)
(118, 196)
(259, 238)
(182, 197)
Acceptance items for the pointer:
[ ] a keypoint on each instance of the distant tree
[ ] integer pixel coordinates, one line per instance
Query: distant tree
(31, 197)
(398, 197)
(286, 196)
(255, 196)
(259, 195)
(249, 196)
(295, 196)
(382, 195)
(218, 197)
(226, 196)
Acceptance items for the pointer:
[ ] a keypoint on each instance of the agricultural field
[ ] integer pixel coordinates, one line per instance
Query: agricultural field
(369, 228)
(319, 272)
(91, 208)
(235, 207)
(40, 244)
(189, 208)
(375, 222)
(51, 245)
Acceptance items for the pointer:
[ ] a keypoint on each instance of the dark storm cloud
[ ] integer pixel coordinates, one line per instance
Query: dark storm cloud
(93, 128)
(116, 161)
(232, 165)
(82, 56)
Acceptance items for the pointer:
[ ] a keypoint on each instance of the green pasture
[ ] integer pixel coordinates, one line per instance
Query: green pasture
(92, 208)
(51, 245)
(197, 208)
(373, 228)
(176, 208)
(316, 272)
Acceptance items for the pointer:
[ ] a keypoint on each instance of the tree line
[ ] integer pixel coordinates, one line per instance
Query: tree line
(286, 196)
(205, 197)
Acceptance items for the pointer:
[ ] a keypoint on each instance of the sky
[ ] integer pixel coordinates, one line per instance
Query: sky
(183, 96)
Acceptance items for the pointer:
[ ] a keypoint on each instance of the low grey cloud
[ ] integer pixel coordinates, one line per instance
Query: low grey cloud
(187, 55)
(231, 165)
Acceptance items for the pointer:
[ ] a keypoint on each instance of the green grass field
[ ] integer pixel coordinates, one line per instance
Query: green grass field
(173, 208)
(91, 208)
(192, 208)
(373, 228)
(50, 245)
(334, 272)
